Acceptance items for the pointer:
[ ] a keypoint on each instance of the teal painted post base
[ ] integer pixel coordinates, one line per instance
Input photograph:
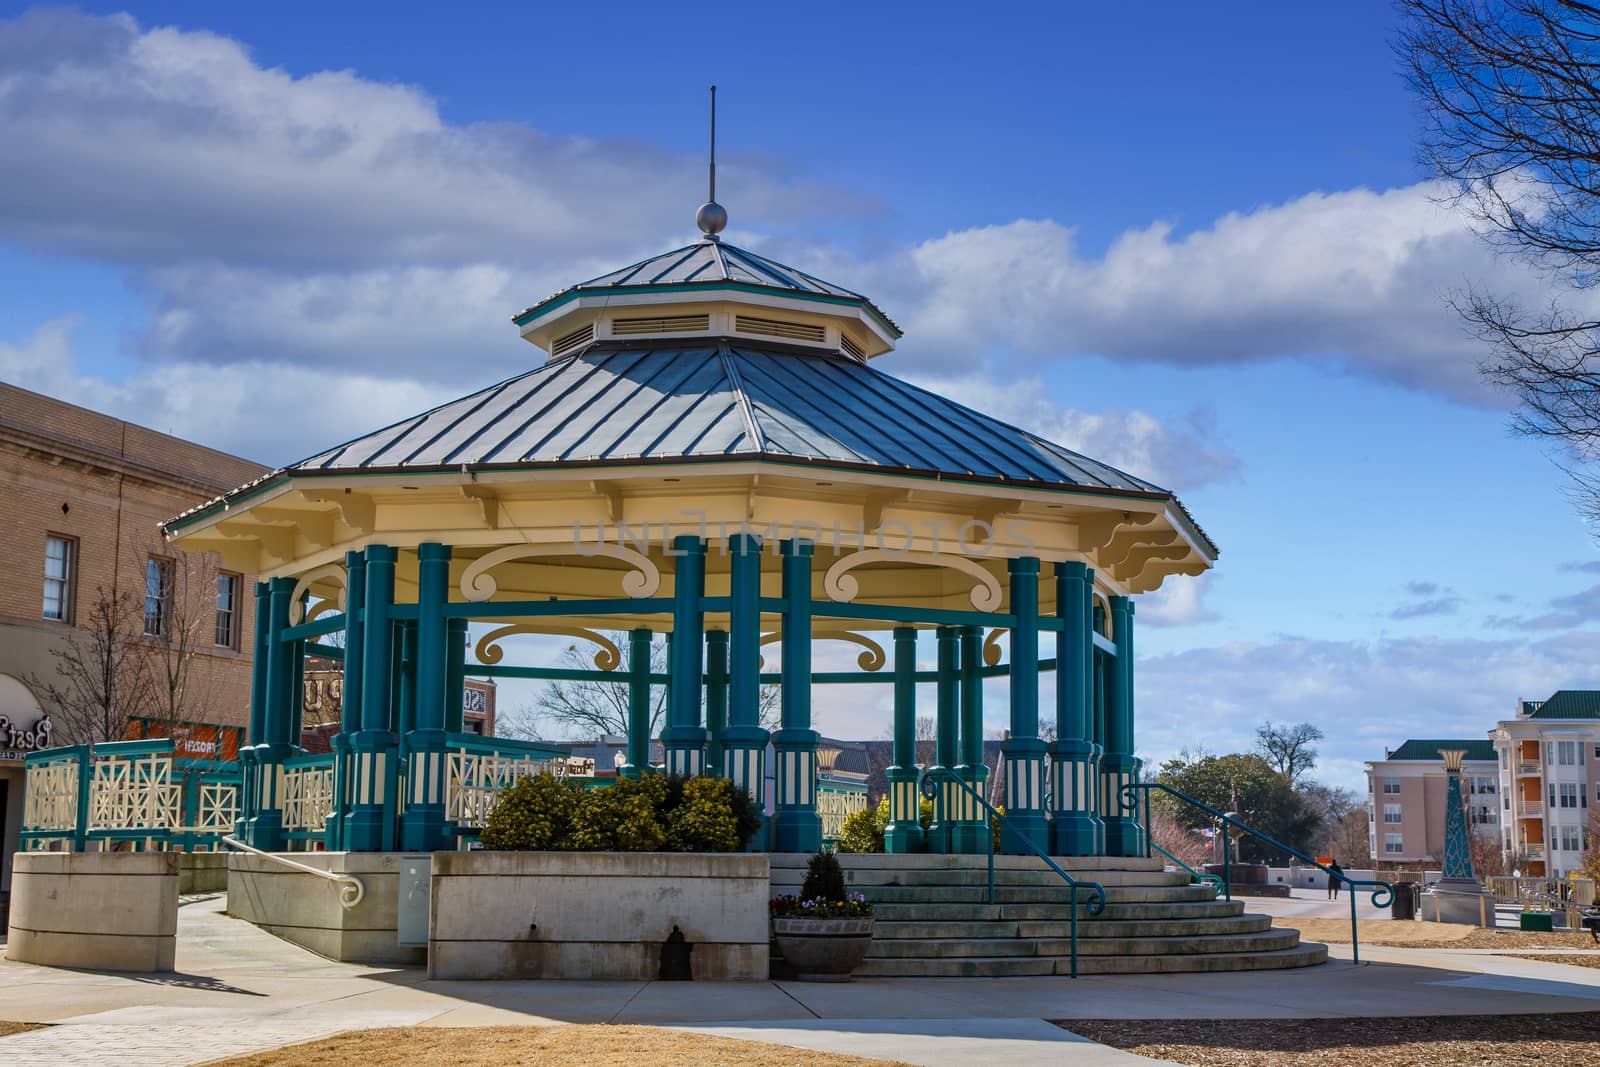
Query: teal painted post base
(247, 795)
(685, 748)
(904, 831)
(940, 836)
(1023, 761)
(744, 754)
(264, 830)
(1124, 835)
(969, 830)
(370, 827)
(333, 833)
(422, 826)
(1075, 829)
(795, 825)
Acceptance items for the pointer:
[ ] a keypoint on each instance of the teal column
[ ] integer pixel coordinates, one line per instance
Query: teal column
(716, 697)
(355, 592)
(405, 679)
(796, 825)
(422, 826)
(970, 833)
(1119, 768)
(249, 756)
(685, 738)
(370, 825)
(1075, 829)
(455, 675)
(638, 704)
(266, 826)
(1100, 669)
(744, 742)
(904, 830)
(947, 801)
(1457, 841)
(1023, 752)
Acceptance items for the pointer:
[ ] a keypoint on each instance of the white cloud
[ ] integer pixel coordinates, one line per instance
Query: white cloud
(1179, 602)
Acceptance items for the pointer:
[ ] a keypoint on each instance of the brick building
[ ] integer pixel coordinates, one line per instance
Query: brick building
(81, 497)
(1406, 801)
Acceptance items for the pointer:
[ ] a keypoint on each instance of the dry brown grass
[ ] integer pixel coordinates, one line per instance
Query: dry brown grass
(7, 1029)
(1399, 933)
(1571, 960)
(1423, 1041)
(547, 1046)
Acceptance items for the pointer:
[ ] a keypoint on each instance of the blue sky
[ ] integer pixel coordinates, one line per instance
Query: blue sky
(1189, 239)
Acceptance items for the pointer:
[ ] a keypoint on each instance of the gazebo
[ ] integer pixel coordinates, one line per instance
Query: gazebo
(708, 453)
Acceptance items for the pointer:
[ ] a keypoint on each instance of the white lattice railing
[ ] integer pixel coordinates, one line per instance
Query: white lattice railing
(50, 803)
(135, 794)
(835, 806)
(218, 807)
(307, 797)
(474, 779)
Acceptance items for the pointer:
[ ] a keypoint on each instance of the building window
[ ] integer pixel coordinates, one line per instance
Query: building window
(228, 610)
(1391, 786)
(1567, 793)
(1391, 813)
(60, 560)
(157, 595)
(1569, 838)
(1391, 843)
(1567, 753)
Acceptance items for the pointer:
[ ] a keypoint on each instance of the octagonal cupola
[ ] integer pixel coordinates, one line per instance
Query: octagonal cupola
(709, 289)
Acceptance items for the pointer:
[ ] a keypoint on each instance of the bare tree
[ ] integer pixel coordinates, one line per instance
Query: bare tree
(1188, 845)
(182, 628)
(590, 708)
(1483, 846)
(1352, 837)
(102, 673)
(1510, 92)
(1291, 750)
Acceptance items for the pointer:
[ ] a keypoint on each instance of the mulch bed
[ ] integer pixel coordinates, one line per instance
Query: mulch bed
(7, 1029)
(1571, 959)
(1552, 1040)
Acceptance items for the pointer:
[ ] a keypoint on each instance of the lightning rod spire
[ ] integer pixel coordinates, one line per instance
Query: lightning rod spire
(712, 216)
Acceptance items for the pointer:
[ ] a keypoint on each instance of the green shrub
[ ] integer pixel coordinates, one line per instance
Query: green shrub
(536, 814)
(620, 818)
(862, 830)
(705, 820)
(824, 879)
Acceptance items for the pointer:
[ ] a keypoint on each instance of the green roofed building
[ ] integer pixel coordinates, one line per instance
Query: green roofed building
(1549, 767)
(1407, 797)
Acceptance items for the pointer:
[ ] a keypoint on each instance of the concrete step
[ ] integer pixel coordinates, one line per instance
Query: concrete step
(979, 894)
(931, 861)
(791, 879)
(932, 931)
(996, 947)
(967, 911)
(1302, 955)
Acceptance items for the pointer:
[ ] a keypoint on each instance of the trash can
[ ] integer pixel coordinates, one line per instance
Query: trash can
(1405, 901)
(1537, 920)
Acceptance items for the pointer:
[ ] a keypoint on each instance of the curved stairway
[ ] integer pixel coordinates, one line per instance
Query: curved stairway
(934, 919)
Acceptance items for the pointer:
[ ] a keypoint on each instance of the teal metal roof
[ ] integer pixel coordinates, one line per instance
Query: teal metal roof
(649, 400)
(710, 264)
(1565, 704)
(1429, 750)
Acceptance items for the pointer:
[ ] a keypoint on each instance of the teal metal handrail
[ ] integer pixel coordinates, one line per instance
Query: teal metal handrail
(1096, 902)
(1202, 878)
(1382, 892)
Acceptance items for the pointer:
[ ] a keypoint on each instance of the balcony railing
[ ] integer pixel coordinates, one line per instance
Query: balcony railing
(1528, 766)
(1533, 809)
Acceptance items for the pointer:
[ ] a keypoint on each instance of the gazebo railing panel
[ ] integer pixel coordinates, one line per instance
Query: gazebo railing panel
(52, 798)
(478, 769)
(308, 797)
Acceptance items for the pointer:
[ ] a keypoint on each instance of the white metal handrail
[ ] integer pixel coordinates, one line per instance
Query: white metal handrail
(351, 889)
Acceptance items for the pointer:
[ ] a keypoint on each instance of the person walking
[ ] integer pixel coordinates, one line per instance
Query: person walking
(1334, 873)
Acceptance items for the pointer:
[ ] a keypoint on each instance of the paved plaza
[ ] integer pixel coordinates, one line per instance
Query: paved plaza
(239, 990)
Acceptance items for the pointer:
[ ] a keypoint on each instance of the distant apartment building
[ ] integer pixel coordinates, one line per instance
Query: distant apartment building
(81, 497)
(1549, 771)
(1407, 798)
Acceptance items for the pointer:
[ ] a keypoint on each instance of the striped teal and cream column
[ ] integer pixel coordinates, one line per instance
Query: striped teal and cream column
(947, 736)
(716, 697)
(1119, 768)
(1024, 752)
(638, 704)
(796, 825)
(355, 591)
(370, 826)
(1075, 829)
(266, 825)
(744, 742)
(244, 826)
(903, 833)
(422, 825)
(684, 739)
(970, 830)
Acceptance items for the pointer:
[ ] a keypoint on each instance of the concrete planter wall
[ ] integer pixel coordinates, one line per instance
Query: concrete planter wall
(103, 911)
(305, 909)
(595, 914)
(202, 872)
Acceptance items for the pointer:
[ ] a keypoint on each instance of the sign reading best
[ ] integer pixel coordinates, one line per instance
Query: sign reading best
(16, 741)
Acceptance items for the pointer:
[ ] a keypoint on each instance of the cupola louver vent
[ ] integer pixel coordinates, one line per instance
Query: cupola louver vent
(850, 348)
(660, 324)
(797, 331)
(576, 339)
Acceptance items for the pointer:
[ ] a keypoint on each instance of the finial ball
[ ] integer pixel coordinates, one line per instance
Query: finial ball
(711, 218)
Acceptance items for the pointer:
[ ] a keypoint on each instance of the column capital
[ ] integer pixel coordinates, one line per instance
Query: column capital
(688, 545)
(1023, 565)
(1072, 568)
(433, 550)
(797, 547)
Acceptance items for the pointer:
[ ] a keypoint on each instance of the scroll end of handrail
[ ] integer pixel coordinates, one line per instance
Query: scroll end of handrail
(1097, 897)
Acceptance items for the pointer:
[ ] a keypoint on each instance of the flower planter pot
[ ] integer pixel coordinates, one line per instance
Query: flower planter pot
(823, 950)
